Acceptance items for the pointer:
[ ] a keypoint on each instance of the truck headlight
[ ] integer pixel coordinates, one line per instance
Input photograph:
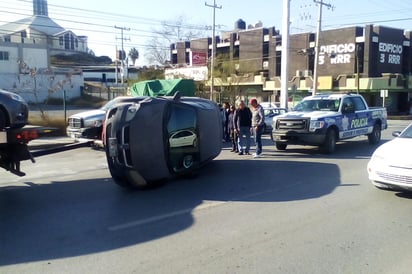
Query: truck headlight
(92, 123)
(315, 124)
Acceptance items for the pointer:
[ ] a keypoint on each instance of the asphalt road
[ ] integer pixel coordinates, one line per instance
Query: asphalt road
(296, 211)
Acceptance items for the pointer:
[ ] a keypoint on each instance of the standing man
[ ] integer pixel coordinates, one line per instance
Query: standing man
(258, 121)
(243, 123)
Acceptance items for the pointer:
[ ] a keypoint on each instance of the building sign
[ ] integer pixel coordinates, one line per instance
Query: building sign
(198, 58)
(195, 73)
(389, 49)
(390, 53)
(337, 53)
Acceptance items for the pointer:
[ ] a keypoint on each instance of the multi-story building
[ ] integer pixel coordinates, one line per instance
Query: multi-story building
(365, 59)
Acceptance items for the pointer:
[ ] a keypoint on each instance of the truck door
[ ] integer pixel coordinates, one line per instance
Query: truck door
(355, 117)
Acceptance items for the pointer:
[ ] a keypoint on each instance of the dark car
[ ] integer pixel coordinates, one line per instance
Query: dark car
(88, 124)
(14, 111)
(270, 113)
(157, 138)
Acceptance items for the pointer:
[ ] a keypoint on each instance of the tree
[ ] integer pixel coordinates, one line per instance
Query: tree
(134, 55)
(158, 46)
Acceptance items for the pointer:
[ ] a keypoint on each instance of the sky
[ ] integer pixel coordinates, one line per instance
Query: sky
(101, 20)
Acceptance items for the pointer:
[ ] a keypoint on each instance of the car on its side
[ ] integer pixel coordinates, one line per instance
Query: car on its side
(150, 141)
(89, 124)
(390, 166)
(14, 111)
(270, 113)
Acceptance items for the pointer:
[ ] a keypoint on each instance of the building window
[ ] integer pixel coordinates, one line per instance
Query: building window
(4, 56)
(61, 42)
(66, 41)
(23, 35)
(76, 43)
(7, 38)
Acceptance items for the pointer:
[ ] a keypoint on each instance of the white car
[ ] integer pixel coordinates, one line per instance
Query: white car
(183, 138)
(390, 166)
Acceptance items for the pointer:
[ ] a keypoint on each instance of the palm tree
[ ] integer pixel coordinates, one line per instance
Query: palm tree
(134, 55)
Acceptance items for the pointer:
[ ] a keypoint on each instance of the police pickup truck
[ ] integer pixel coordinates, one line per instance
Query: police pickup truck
(324, 119)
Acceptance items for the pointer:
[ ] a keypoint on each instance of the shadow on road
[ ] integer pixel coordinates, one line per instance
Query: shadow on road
(90, 216)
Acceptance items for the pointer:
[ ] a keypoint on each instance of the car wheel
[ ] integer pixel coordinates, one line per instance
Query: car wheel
(329, 144)
(280, 146)
(375, 136)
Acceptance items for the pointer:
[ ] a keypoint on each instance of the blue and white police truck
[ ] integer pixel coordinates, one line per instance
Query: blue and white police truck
(324, 119)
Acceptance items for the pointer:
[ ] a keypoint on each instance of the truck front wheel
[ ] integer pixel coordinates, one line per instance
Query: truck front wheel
(375, 136)
(329, 144)
(281, 146)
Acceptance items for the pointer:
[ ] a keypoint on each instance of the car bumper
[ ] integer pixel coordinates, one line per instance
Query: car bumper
(87, 133)
(390, 177)
(299, 138)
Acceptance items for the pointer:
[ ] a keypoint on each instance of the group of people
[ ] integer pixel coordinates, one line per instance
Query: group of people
(242, 122)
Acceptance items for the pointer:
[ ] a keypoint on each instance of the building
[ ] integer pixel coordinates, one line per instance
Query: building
(364, 59)
(25, 49)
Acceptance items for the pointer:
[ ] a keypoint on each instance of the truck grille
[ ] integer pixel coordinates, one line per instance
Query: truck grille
(75, 122)
(292, 124)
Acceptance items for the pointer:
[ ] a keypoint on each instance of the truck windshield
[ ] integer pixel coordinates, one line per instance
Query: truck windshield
(318, 104)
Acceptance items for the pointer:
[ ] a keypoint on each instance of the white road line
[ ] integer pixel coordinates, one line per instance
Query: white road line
(203, 206)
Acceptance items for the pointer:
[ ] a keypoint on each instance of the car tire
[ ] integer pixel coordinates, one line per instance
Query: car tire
(281, 146)
(375, 136)
(329, 145)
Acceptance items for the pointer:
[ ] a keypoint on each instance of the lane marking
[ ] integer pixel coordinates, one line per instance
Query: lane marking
(203, 206)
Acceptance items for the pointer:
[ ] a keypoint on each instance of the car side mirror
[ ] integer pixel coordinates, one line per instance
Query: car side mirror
(396, 133)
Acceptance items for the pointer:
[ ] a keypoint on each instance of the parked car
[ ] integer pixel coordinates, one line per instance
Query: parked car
(158, 138)
(390, 166)
(89, 124)
(270, 113)
(14, 111)
(183, 138)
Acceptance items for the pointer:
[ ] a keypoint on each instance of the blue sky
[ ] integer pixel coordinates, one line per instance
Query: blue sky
(96, 19)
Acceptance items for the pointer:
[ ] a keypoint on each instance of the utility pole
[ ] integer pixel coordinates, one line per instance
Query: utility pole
(319, 29)
(284, 74)
(212, 60)
(123, 55)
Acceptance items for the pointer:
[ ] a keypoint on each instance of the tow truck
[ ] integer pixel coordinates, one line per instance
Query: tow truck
(14, 146)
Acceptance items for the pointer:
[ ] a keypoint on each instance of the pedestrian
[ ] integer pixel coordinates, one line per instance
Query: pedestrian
(226, 133)
(223, 119)
(258, 122)
(243, 123)
(231, 128)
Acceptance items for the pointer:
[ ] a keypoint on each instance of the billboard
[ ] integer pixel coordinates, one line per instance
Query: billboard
(198, 58)
(196, 73)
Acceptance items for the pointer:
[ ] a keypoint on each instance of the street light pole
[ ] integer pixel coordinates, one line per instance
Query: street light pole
(318, 31)
(284, 74)
(212, 60)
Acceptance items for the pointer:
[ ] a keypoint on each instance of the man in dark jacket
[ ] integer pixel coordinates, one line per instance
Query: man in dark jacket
(243, 123)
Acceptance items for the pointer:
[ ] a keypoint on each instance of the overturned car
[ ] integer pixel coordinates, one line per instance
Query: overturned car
(155, 139)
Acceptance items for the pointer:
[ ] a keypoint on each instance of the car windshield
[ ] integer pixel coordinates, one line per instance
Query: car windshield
(318, 104)
(270, 112)
(407, 132)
